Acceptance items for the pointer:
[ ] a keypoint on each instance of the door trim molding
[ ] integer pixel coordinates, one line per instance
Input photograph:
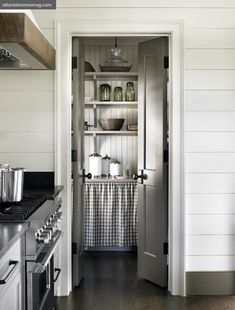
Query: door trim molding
(65, 30)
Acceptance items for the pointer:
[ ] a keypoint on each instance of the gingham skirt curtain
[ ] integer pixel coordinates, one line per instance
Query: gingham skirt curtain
(110, 214)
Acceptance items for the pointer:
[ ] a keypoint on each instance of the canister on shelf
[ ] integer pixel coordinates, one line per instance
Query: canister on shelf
(95, 164)
(105, 92)
(106, 160)
(115, 168)
(130, 91)
(118, 94)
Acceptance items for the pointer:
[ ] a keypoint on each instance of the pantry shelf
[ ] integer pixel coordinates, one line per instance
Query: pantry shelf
(126, 104)
(111, 75)
(113, 132)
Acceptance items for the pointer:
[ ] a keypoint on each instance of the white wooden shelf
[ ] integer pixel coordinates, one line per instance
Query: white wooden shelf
(111, 132)
(125, 104)
(111, 75)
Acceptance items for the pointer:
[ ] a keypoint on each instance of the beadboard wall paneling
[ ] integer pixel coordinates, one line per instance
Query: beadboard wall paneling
(122, 148)
(210, 204)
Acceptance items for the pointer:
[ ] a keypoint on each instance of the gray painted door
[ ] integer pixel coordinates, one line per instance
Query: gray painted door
(78, 161)
(152, 174)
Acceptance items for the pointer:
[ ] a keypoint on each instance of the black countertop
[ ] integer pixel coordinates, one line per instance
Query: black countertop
(49, 192)
(9, 234)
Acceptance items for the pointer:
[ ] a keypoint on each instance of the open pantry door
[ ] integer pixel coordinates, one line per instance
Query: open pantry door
(77, 159)
(152, 174)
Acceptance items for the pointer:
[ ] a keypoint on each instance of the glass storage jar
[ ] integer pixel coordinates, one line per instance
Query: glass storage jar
(118, 94)
(105, 92)
(130, 91)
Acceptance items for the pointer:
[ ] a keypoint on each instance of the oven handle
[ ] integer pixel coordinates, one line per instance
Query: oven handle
(13, 263)
(58, 270)
(41, 266)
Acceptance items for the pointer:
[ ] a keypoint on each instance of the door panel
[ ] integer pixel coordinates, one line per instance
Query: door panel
(78, 163)
(152, 189)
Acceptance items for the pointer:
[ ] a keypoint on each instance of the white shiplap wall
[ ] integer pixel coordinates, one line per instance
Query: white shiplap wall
(209, 105)
(122, 148)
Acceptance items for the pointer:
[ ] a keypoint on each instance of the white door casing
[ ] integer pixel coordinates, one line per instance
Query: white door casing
(65, 30)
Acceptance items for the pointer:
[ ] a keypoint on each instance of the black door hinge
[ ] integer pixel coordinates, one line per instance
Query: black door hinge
(74, 248)
(74, 156)
(165, 156)
(165, 248)
(74, 62)
(166, 62)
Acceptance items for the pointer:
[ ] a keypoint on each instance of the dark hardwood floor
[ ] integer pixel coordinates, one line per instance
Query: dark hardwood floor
(111, 283)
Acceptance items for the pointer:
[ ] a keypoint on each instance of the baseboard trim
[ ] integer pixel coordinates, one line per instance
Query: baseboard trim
(210, 283)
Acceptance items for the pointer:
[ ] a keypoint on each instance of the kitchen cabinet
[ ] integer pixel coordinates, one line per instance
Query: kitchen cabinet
(12, 278)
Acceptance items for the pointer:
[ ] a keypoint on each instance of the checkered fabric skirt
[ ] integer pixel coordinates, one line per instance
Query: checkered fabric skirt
(110, 214)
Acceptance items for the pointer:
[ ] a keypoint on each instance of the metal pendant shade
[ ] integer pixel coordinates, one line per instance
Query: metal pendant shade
(115, 63)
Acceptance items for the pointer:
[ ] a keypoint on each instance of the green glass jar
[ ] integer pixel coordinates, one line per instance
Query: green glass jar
(118, 94)
(105, 92)
(130, 91)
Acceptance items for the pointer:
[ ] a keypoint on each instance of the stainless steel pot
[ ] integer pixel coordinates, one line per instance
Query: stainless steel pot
(12, 184)
(3, 167)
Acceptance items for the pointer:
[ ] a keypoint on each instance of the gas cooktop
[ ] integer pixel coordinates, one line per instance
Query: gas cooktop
(20, 211)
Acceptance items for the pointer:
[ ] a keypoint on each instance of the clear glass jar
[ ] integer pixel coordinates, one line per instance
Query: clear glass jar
(130, 91)
(118, 94)
(105, 92)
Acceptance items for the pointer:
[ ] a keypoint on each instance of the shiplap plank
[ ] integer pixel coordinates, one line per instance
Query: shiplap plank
(210, 100)
(29, 80)
(26, 142)
(30, 161)
(212, 224)
(30, 101)
(210, 79)
(210, 204)
(210, 38)
(26, 121)
(209, 162)
(198, 17)
(210, 59)
(210, 263)
(210, 142)
(209, 121)
(221, 183)
(210, 245)
(147, 3)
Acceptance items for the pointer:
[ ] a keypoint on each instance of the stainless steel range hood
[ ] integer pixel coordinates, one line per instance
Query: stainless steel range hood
(22, 45)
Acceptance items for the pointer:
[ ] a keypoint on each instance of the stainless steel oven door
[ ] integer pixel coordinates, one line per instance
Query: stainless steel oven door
(40, 279)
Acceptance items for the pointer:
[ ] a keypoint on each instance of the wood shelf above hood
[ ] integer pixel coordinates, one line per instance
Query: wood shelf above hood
(20, 36)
